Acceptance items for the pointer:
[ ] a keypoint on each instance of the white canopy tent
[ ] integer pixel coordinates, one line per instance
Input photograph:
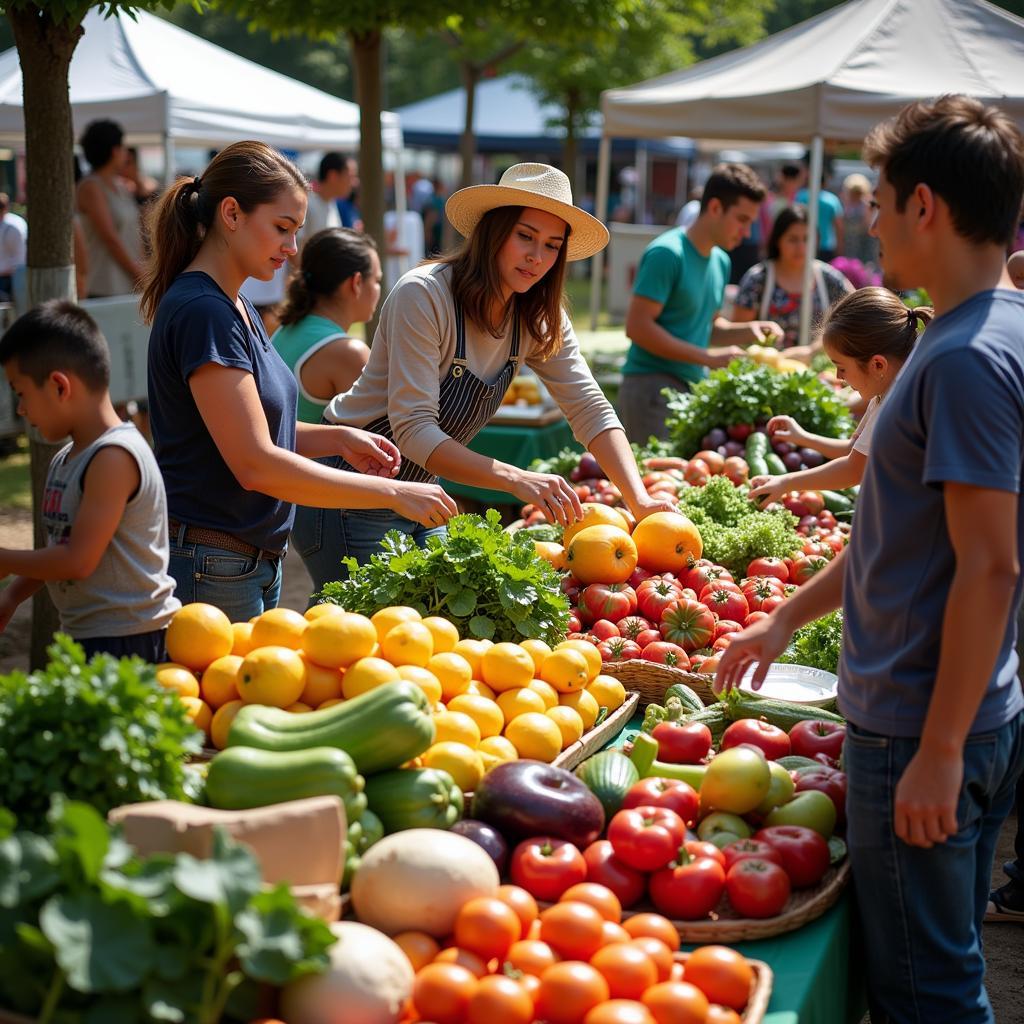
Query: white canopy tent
(830, 78)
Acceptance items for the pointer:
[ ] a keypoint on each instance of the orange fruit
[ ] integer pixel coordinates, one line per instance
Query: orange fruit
(279, 627)
(387, 618)
(486, 713)
(321, 683)
(299, 708)
(367, 674)
(242, 633)
(536, 649)
(519, 701)
(178, 678)
(220, 725)
(419, 947)
(676, 1002)
(506, 666)
(629, 971)
(589, 651)
(487, 926)
(568, 991)
(547, 692)
(583, 704)
(200, 713)
(608, 692)
(595, 514)
(330, 703)
(601, 554)
(535, 736)
(497, 747)
(456, 727)
(480, 689)
(667, 542)
(552, 553)
(459, 760)
(566, 670)
(569, 723)
(198, 634)
(408, 643)
(453, 672)
(336, 639)
(500, 999)
(441, 992)
(218, 684)
(473, 651)
(424, 679)
(314, 611)
(445, 635)
(272, 675)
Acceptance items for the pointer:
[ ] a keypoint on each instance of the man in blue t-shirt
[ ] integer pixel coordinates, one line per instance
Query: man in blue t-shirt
(677, 292)
(830, 222)
(931, 582)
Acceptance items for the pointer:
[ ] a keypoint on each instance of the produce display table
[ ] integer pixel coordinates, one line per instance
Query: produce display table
(817, 980)
(518, 446)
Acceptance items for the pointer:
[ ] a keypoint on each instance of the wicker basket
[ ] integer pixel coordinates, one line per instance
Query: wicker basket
(725, 925)
(595, 739)
(650, 680)
(761, 994)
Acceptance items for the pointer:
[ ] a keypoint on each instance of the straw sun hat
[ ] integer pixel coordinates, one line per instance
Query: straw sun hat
(538, 187)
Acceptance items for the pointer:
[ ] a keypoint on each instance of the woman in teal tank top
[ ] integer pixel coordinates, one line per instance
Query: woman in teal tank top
(337, 285)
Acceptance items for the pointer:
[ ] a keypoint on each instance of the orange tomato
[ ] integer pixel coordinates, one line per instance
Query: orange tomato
(722, 974)
(521, 902)
(721, 1015)
(419, 947)
(619, 1011)
(573, 930)
(441, 992)
(531, 984)
(531, 956)
(487, 926)
(464, 958)
(600, 897)
(628, 970)
(658, 952)
(568, 991)
(612, 933)
(500, 1000)
(676, 1002)
(656, 926)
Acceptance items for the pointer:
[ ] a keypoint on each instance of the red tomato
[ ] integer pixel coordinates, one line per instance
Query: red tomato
(736, 470)
(770, 738)
(760, 589)
(806, 566)
(701, 573)
(725, 626)
(769, 604)
(811, 737)
(813, 502)
(612, 601)
(617, 649)
(639, 576)
(689, 624)
(654, 596)
(697, 472)
(700, 848)
(546, 867)
(646, 838)
(689, 889)
(648, 636)
(757, 888)
(682, 744)
(674, 794)
(726, 604)
(604, 629)
(754, 617)
(745, 849)
(632, 626)
(666, 654)
(574, 625)
(713, 585)
(805, 854)
(722, 642)
(769, 567)
(604, 868)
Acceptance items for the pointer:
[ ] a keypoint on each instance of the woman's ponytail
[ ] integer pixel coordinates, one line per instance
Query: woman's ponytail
(874, 321)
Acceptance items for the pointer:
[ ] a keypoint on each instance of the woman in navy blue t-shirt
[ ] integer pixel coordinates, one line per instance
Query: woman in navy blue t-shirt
(222, 401)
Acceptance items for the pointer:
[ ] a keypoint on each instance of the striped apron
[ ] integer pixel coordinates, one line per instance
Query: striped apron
(465, 403)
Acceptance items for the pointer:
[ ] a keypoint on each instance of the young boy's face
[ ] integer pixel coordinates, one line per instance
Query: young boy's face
(41, 405)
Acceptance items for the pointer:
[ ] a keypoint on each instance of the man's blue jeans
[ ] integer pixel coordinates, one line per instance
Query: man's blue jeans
(922, 909)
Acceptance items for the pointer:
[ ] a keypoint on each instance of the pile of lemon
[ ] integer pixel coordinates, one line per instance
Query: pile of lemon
(491, 702)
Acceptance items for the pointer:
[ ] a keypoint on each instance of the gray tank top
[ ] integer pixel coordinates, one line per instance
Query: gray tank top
(130, 592)
(105, 275)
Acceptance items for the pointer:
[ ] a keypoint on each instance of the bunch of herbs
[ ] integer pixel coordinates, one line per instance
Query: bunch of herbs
(818, 644)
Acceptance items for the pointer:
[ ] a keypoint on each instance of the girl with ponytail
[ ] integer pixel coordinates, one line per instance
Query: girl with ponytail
(869, 335)
(222, 401)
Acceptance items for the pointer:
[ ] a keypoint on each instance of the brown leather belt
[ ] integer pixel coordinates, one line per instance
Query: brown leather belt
(219, 539)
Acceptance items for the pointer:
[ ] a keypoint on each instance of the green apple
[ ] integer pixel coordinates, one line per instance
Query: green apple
(810, 809)
(721, 828)
(780, 789)
(736, 780)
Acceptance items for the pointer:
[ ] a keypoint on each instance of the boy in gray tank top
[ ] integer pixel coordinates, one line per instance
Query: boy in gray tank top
(104, 506)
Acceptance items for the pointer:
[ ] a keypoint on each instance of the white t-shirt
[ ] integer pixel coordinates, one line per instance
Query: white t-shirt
(12, 245)
(866, 427)
(320, 214)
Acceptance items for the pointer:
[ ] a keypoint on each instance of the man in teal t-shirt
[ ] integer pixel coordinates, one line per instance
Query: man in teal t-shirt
(678, 290)
(830, 222)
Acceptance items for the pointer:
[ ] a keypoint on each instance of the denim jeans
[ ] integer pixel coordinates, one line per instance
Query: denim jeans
(323, 537)
(241, 586)
(922, 909)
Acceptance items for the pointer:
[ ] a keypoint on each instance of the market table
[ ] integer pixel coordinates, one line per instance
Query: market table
(817, 978)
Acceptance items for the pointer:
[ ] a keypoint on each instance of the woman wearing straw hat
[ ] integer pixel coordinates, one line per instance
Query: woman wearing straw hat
(452, 336)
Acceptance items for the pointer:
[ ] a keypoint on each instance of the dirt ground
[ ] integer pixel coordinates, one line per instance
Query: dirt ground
(1004, 943)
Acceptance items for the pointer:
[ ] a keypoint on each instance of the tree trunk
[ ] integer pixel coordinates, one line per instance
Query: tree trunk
(45, 48)
(366, 47)
(467, 142)
(569, 160)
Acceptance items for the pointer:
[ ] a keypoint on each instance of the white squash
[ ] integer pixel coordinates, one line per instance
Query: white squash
(418, 880)
(369, 981)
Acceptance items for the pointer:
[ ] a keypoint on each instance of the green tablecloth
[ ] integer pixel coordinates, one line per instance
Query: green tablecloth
(817, 980)
(518, 446)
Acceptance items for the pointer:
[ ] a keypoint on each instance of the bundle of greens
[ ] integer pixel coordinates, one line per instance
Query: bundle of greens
(562, 463)
(104, 732)
(818, 644)
(489, 583)
(90, 932)
(733, 530)
(745, 392)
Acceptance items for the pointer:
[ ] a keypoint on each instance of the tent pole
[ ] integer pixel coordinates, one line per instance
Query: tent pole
(168, 159)
(642, 175)
(604, 167)
(400, 209)
(813, 192)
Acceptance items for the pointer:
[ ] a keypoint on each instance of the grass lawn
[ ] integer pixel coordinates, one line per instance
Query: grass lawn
(15, 482)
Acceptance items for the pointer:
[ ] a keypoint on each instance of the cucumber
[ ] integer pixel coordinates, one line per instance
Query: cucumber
(609, 776)
(742, 704)
(837, 503)
(240, 778)
(414, 798)
(715, 718)
(381, 729)
(794, 762)
(687, 697)
(756, 466)
(775, 465)
(756, 445)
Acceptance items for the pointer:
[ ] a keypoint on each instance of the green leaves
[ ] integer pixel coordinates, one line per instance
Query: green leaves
(818, 644)
(490, 583)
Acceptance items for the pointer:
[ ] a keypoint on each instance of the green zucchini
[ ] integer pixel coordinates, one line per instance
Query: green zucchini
(243, 777)
(609, 775)
(687, 697)
(775, 465)
(836, 503)
(742, 704)
(756, 445)
(414, 798)
(381, 729)
(714, 717)
(756, 466)
(794, 762)
(363, 832)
